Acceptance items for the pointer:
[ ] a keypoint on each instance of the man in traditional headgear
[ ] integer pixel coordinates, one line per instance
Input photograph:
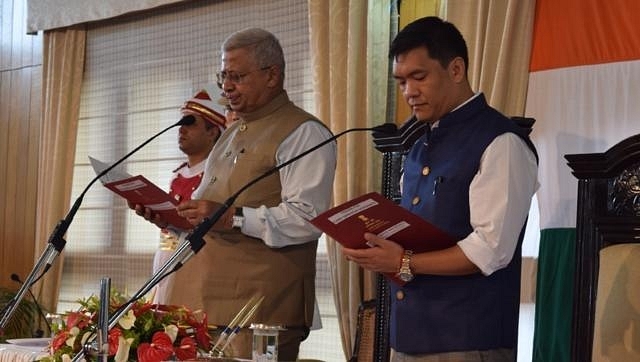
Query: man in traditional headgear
(196, 141)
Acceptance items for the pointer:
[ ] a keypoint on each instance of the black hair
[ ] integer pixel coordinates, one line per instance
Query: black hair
(442, 40)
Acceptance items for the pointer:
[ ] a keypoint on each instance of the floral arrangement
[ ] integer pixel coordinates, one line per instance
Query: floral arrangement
(146, 333)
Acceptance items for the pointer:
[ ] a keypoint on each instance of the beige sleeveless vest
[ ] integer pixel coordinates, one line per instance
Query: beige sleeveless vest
(232, 267)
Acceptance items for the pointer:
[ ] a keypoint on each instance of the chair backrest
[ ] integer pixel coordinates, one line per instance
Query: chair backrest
(363, 350)
(616, 326)
(608, 214)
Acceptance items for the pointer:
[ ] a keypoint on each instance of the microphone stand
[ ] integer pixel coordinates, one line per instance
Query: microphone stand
(195, 240)
(56, 241)
(103, 320)
(39, 333)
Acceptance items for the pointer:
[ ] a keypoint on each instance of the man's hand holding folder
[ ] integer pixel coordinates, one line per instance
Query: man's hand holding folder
(373, 213)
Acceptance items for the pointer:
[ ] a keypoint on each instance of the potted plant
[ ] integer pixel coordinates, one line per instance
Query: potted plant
(24, 320)
(147, 333)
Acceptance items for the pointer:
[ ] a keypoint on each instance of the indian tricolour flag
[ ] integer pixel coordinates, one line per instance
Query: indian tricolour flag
(584, 92)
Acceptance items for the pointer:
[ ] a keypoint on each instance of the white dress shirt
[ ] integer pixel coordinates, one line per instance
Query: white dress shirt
(499, 201)
(304, 184)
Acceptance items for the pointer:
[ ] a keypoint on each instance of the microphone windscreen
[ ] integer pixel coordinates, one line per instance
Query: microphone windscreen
(186, 121)
(402, 139)
(385, 129)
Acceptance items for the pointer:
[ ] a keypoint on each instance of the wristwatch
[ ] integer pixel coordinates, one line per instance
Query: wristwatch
(405, 273)
(238, 218)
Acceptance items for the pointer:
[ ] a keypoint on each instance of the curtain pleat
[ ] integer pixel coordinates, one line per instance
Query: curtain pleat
(499, 38)
(63, 62)
(411, 10)
(350, 81)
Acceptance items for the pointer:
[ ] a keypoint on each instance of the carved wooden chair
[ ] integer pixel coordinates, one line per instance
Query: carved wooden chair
(606, 305)
(363, 346)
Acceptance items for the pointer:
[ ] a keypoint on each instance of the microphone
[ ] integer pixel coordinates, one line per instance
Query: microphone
(384, 129)
(186, 121)
(56, 242)
(401, 139)
(39, 333)
(198, 232)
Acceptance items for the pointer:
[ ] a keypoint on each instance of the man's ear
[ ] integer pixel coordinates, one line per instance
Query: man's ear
(275, 75)
(214, 132)
(457, 69)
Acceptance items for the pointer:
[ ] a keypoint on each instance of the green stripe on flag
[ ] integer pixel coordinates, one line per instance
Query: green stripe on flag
(554, 295)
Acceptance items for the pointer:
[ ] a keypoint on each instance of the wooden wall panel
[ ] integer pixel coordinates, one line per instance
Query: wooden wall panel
(4, 127)
(6, 22)
(32, 148)
(20, 124)
(17, 35)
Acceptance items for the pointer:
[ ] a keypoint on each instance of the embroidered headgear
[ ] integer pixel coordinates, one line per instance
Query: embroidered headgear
(203, 104)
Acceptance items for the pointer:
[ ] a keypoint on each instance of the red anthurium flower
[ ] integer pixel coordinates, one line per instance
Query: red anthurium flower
(161, 332)
(59, 340)
(186, 350)
(76, 319)
(164, 307)
(140, 309)
(202, 333)
(160, 348)
(114, 334)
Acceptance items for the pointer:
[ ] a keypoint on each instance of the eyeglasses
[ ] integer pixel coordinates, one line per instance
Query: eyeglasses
(234, 77)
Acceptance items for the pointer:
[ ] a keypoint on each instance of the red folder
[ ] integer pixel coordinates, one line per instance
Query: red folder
(372, 212)
(139, 190)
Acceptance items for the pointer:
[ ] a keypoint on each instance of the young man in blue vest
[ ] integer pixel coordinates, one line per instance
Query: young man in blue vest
(472, 174)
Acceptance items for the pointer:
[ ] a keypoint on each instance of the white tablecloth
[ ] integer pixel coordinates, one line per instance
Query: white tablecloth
(15, 353)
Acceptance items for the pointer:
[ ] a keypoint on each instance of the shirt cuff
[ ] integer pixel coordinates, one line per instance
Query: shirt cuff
(251, 226)
(479, 253)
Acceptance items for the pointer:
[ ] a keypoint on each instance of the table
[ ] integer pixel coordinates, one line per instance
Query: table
(15, 353)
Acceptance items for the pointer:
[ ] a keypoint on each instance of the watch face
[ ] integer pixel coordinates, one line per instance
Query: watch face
(405, 268)
(237, 221)
(405, 277)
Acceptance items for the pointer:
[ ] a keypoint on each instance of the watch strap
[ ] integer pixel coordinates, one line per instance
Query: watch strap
(238, 218)
(405, 272)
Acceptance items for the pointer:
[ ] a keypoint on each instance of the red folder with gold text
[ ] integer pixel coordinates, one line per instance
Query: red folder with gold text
(373, 213)
(139, 190)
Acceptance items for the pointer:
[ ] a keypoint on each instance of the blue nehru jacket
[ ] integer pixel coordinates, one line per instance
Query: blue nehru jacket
(455, 313)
